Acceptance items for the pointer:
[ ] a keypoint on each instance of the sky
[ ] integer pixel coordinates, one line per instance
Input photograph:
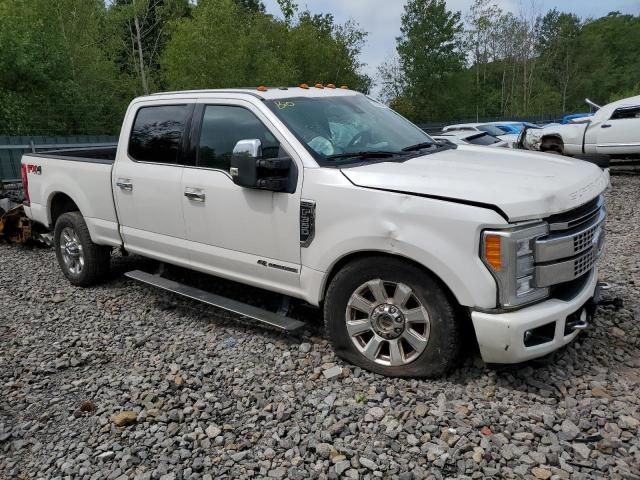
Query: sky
(381, 18)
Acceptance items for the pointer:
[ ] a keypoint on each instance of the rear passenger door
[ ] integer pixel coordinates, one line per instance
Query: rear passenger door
(239, 233)
(147, 180)
(621, 133)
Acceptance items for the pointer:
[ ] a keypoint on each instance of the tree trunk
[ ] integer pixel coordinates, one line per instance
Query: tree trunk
(143, 76)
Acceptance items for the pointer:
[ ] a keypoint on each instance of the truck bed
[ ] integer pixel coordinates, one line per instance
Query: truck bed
(81, 176)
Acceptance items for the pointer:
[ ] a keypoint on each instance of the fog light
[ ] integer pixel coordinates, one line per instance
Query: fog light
(539, 335)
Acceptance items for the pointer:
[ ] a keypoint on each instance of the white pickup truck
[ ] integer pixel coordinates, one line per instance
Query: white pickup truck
(325, 195)
(613, 130)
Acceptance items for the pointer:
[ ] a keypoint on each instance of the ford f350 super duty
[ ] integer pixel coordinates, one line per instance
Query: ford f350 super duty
(325, 195)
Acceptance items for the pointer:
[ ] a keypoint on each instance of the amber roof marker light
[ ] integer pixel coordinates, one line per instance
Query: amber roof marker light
(305, 86)
(262, 88)
(319, 85)
(344, 87)
(330, 85)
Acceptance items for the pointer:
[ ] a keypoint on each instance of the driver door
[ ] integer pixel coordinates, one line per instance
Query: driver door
(239, 233)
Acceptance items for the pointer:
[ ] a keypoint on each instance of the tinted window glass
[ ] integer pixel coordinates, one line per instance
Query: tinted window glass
(483, 139)
(626, 112)
(157, 133)
(223, 127)
(491, 130)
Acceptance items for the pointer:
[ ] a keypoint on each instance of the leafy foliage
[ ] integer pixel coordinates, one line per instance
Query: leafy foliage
(72, 66)
(225, 45)
(508, 65)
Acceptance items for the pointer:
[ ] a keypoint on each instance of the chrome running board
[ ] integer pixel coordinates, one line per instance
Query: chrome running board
(270, 318)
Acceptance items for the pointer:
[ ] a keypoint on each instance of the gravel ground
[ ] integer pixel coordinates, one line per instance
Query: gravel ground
(123, 381)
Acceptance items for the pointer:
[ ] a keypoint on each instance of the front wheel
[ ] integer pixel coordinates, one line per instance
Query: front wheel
(83, 262)
(393, 318)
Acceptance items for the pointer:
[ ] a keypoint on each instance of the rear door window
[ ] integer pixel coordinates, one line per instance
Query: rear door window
(157, 133)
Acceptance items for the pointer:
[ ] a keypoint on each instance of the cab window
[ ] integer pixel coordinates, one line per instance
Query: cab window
(222, 127)
(626, 113)
(157, 133)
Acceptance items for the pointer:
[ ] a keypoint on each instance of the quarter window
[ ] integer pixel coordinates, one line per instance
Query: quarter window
(157, 133)
(222, 127)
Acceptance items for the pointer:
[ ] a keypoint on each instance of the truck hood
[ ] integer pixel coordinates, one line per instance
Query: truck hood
(520, 185)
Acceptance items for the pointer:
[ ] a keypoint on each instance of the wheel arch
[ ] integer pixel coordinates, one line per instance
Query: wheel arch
(554, 139)
(352, 256)
(60, 203)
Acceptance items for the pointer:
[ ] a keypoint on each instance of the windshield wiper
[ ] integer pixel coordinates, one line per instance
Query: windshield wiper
(367, 154)
(418, 146)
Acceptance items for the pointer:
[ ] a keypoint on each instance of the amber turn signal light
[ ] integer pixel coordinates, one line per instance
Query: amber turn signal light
(492, 252)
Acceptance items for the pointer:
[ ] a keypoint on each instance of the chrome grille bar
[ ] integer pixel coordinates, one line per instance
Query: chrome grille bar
(574, 245)
(557, 246)
(554, 273)
(576, 217)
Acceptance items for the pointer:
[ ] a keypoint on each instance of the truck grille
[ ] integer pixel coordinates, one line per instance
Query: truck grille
(575, 242)
(584, 263)
(583, 240)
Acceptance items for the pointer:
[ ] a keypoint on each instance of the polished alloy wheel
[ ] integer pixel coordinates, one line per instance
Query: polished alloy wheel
(71, 249)
(387, 322)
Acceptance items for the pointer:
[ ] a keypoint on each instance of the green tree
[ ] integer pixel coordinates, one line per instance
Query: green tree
(224, 44)
(139, 31)
(559, 48)
(56, 77)
(429, 53)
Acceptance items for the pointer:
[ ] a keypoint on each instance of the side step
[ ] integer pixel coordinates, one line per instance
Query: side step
(275, 320)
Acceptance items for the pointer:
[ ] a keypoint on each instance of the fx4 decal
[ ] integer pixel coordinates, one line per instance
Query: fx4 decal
(35, 169)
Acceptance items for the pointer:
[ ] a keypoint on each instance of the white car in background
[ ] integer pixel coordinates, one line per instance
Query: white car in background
(510, 138)
(465, 137)
(613, 130)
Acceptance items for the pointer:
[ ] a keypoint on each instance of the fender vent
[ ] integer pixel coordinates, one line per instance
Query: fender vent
(307, 222)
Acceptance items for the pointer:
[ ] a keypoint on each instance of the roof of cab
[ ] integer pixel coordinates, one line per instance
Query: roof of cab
(272, 93)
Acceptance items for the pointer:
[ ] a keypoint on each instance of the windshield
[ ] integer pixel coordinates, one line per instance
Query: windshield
(349, 128)
(491, 129)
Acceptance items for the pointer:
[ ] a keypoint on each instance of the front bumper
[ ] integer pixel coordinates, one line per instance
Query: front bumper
(501, 336)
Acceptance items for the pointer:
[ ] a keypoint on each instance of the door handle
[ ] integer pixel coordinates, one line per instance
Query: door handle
(195, 196)
(124, 184)
(606, 125)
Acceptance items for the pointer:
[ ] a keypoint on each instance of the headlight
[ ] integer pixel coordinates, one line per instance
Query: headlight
(509, 254)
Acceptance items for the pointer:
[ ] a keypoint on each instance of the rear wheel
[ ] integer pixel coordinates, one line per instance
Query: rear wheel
(83, 262)
(392, 318)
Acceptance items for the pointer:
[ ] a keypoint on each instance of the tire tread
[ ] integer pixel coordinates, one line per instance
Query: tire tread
(97, 257)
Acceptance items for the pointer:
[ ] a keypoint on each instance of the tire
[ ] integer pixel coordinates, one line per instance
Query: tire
(83, 262)
(439, 333)
(552, 146)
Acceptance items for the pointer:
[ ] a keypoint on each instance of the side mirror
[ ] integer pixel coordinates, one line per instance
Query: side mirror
(250, 170)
